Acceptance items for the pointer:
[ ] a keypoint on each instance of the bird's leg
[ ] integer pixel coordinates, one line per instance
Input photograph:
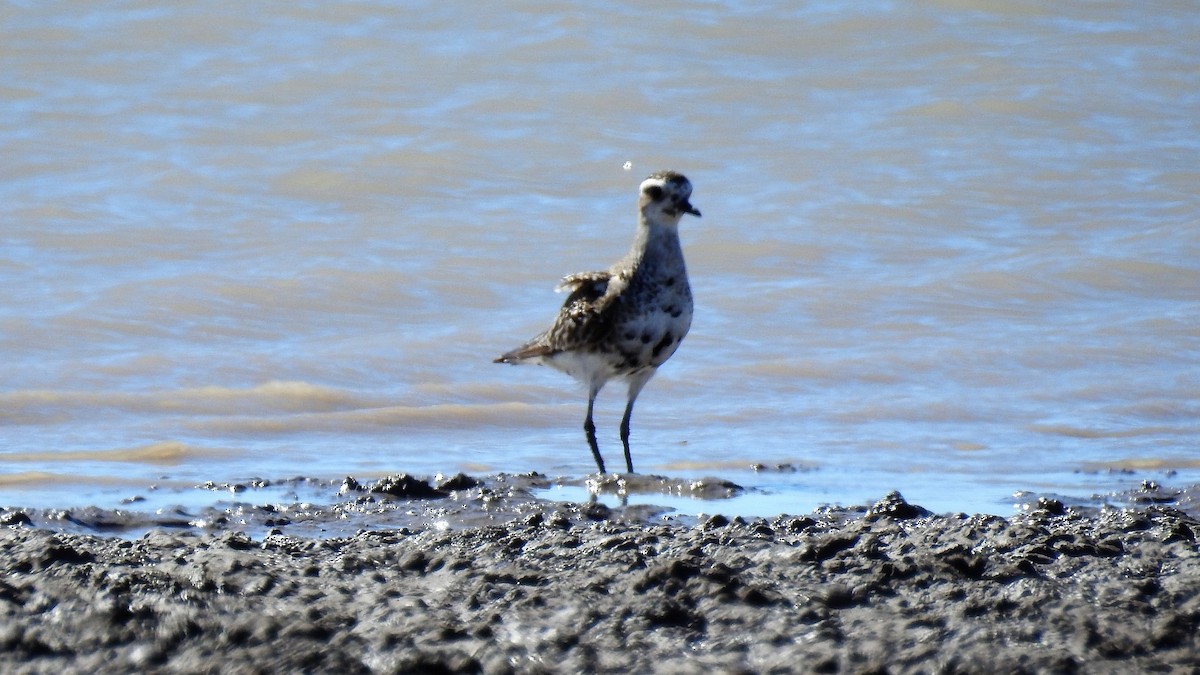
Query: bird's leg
(589, 427)
(625, 434)
(635, 387)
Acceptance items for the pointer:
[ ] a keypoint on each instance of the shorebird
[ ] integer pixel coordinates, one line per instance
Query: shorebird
(627, 321)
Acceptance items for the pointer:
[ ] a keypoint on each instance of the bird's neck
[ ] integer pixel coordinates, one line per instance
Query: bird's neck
(657, 241)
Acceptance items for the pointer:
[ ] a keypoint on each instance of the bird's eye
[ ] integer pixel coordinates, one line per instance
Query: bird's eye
(654, 192)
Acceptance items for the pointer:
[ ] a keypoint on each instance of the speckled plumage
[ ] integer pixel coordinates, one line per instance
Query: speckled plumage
(627, 321)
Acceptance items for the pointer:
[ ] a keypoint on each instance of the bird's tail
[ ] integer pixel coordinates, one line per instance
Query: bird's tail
(535, 349)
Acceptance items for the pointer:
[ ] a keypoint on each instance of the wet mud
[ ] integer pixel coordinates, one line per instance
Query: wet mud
(464, 574)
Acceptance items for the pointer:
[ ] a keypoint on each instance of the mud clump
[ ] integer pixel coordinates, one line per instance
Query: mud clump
(406, 486)
(578, 588)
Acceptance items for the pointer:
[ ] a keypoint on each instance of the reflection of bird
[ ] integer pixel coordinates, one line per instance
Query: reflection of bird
(627, 321)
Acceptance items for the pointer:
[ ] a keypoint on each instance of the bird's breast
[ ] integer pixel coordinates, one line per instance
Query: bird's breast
(646, 336)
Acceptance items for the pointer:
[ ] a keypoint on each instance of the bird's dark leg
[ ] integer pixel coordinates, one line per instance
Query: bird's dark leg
(590, 428)
(636, 382)
(625, 433)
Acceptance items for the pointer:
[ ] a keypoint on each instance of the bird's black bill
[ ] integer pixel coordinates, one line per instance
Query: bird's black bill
(686, 207)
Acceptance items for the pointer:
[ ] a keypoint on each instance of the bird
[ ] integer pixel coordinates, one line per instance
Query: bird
(626, 321)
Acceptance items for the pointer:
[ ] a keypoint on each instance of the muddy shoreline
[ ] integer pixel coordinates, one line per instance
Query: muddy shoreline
(483, 578)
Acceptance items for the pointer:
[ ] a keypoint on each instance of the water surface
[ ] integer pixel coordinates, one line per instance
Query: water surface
(947, 248)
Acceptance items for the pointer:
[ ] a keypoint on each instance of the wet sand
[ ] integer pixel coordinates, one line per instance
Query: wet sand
(485, 578)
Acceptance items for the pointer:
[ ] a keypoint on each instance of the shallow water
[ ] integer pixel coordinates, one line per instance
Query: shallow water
(947, 249)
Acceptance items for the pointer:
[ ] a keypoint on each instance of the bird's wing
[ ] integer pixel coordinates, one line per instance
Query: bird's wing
(586, 315)
(597, 281)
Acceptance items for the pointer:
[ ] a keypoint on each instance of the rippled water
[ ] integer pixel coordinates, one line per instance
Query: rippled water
(949, 248)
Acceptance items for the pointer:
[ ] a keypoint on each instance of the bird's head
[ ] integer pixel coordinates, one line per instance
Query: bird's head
(664, 198)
